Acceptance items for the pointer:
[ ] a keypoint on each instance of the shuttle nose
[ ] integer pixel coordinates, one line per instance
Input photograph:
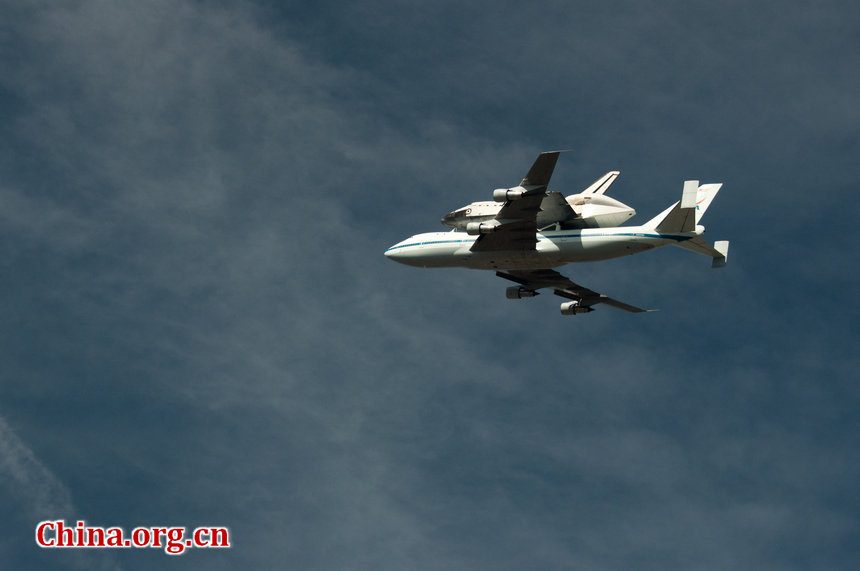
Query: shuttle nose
(450, 219)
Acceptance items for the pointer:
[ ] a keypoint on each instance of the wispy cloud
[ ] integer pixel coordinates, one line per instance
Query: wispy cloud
(25, 477)
(31, 493)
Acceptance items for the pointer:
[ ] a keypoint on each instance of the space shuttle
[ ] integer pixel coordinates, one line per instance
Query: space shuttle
(590, 208)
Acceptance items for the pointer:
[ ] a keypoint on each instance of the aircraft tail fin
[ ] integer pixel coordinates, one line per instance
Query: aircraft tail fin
(686, 213)
(704, 196)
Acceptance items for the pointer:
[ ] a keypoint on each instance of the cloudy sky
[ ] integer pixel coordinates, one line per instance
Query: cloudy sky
(199, 327)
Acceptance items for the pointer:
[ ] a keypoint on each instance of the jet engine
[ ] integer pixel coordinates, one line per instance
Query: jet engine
(519, 292)
(505, 194)
(574, 307)
(475, 228)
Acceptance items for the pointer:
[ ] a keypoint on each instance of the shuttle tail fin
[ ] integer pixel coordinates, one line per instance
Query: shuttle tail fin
(600, 185)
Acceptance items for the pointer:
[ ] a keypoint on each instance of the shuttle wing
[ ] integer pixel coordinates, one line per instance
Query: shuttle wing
(554, 209)
(533, 280)
(516, 226)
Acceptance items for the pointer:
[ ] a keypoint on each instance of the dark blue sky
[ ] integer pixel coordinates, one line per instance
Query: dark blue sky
(199, 327)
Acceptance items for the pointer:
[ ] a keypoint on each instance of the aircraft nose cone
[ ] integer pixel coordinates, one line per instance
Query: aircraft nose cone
(401, 253)
(393, 253)
(398, 256)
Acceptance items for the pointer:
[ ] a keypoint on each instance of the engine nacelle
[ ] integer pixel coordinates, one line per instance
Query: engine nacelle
(574, 307)
(519, 292)
(505, 194)
(475, 228)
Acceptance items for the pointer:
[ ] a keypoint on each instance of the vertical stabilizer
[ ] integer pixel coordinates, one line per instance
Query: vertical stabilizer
(704, 196)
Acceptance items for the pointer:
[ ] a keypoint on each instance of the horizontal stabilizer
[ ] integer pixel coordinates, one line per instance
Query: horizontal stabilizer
(719, 251)
(721, 246)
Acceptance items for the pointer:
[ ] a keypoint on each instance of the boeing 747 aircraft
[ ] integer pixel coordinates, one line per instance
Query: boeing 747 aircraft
(532, 231)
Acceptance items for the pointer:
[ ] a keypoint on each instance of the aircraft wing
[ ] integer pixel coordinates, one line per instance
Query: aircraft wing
(539, 279)
(517, 219)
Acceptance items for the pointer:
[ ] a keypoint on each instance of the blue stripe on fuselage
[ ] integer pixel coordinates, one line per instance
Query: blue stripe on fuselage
(677, 238)
(430, 242)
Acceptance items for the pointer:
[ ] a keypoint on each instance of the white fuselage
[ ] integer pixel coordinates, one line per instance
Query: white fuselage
(553, 248)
